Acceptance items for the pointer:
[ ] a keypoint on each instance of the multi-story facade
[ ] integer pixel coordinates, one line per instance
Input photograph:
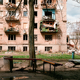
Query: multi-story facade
(49, 27)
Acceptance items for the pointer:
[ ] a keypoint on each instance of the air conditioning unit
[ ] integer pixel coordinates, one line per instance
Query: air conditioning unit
(36, 6)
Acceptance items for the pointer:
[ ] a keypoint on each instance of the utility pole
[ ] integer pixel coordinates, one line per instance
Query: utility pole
(31, 30)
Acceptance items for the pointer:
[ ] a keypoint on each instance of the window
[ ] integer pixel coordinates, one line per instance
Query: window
(12, 1)
(48, 37)
(48, 48)
(1, 1)
(24, 48)
(35, 1)
(35, 13)
(25, 2)
(35, 48)
(11, 48)
(1, 13)
(35, 37)
(25, 37)
(49, 14)
(0, 47)
(35, 25)
(49, 1)
(12, 13)
(25, 13)
(11, 37)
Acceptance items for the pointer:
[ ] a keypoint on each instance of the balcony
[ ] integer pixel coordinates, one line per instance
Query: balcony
(10, 5)
(12, 18)
(48, 5)
(11, 30)
(48, 29)
(46, 18)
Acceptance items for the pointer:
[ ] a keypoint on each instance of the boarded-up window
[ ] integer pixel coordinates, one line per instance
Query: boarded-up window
(25, 25)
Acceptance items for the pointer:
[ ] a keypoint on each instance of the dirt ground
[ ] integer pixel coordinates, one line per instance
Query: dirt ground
(61, 72)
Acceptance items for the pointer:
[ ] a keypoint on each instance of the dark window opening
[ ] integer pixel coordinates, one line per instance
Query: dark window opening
(25, 37)
(35, 1)
(1, 1)
(35, 37)
(24, 48)
(49, 14)
(35, 48)
(25, 2)
(11, 48)
(0, 47)
(12, 1)
(49, 1)
(11, 37)
(35, 25)
(48, 37)
(67, 39)
(12, 13)
(48, 48)
(35, 13)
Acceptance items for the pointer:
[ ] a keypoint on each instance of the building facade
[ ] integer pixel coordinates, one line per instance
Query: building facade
(49, 27)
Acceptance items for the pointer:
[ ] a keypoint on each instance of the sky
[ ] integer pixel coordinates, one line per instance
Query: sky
(73, 11)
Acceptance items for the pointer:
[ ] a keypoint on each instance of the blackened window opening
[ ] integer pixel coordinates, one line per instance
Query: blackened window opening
(25, 2)
(11, 37)
(12, 1)
(35, 25)
(11, 48)
(35, 1)
(35, 13)
(48, 37)
(24, 48)
(49, 14)
(25, 37)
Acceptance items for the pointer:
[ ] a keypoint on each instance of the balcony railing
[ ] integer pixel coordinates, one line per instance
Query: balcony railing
(48, 5)
(47, 29)
(11, 30)
(12, 18)
(46, 18)
(10, 5)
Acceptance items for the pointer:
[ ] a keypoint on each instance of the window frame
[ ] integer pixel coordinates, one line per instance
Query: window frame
(25, 13)
(35, 37)
(35, 25)
(11, 37)
(24, 48)
(25, 37)
(25, 2)
(48, 37)
(13, 47)
(48, 48)
(1, 2)
(35, 13)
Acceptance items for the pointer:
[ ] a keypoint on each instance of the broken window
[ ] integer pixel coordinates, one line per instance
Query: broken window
(12, 13)
(12, 1)
(11, 48)
(25, 13)
(48, 48)
(48, 37)
(35, 13)
(25, 2)
(25, 37)
(35, 37)
(24, 48)
(1, 1)
(35, 25)
(11, 37)
(49, 14)
(0, 47)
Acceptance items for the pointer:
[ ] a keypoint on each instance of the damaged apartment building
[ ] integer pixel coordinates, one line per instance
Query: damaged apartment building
(49, 26)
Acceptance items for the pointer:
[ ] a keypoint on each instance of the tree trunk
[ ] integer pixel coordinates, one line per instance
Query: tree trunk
(31, 30)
